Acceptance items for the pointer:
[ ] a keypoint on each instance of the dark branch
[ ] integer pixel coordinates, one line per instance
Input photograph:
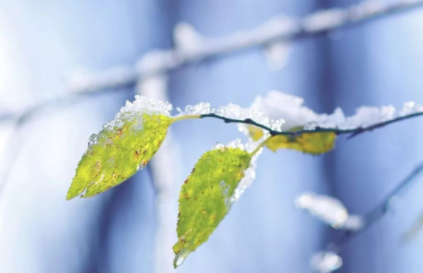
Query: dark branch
(352, 132)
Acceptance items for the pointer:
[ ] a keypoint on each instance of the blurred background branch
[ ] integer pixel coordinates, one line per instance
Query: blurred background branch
(200, 48)
(385, 206)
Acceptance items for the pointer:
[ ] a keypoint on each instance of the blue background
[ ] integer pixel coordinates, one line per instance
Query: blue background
(377, 63)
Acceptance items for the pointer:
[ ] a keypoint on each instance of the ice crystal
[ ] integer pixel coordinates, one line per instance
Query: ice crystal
(278, 105)
(233, 111)
(247, 180)
(141, 104)
(198, 109)
(250, 173)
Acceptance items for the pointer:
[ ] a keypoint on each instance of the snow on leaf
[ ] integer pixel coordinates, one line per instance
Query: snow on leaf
(207, 195)
(124, 146)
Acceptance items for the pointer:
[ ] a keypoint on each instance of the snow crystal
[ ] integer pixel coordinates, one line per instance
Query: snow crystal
(141, 104)
(410, 108)
(198, 109)
(329, 210)
(325, 262)
(232, 111)
(235, 144)
(247, 180)
(278, 105)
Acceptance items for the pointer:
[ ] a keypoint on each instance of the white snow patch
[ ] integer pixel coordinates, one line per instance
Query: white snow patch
(141, 104)
(326, 262)
(233, 111)
(278, 105)
(330, 210)
(250, 172)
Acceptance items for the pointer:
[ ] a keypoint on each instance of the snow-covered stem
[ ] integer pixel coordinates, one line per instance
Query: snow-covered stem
(351, 132)
(386, 205)
(186, 117)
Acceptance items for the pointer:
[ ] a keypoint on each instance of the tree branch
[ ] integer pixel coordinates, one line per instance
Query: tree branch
(290, 29)
(352, 132)
(378, 211)
(317, 23)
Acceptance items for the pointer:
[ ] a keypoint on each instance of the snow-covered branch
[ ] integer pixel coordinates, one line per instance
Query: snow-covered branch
(328, 260)
(192, 47)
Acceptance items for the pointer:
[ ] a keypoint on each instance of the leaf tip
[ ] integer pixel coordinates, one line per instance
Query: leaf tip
(180, 258)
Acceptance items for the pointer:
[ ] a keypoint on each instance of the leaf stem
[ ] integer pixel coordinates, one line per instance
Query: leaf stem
(186, 117)
(261, 145)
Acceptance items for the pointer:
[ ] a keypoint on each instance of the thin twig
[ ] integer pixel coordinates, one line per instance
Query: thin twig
(352, 132)
(378, 211)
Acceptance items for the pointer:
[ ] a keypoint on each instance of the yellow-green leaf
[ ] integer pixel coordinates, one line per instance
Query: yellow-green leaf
(206, 197)
(311, 143)
(118, 152)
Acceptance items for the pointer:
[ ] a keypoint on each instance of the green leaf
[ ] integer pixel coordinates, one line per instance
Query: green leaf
(311, 143)
(206, 197)
(118, 152)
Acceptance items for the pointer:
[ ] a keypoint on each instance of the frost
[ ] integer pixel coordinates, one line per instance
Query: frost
(250, 173)
(325, 262)
(198, 109)
(247, 180)
(410, 108)
(329, 210)
(365, 117)
(233, 111)
(141, 104)
(278, 105)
